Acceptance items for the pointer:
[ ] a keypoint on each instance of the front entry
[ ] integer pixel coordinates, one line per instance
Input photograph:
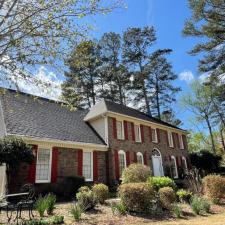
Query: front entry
(157, 163)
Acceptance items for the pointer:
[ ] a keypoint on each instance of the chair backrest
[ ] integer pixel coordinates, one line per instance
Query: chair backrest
(30, 189)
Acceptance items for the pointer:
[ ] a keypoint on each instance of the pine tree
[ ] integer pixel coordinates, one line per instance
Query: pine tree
(159, 83)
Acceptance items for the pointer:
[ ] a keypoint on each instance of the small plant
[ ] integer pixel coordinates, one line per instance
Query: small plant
(196, 204)
(86, 198)
(50, 201)
(160, 182)
(167, 197)
(76, 211)
(41, 205)
(119, 209)
(177, 210)
(206, 205)
(135, 173)
(101, 191)
(184, 195)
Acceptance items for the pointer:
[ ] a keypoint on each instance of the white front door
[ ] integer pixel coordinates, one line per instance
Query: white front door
(157, 167)
(2, 181)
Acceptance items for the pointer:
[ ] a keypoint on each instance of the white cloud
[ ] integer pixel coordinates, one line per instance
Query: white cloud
(186, 76)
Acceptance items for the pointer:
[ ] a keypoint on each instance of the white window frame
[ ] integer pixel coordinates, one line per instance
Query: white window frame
(181, 141)
(139, 132)
(175, 163)
(185, 163)
(89, 179)
(122, 129)
(142, 157)
(156, 136)
(170, 139)
(50, 166)
(122, 152)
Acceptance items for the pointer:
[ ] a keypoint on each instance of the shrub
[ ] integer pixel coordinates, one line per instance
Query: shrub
(101, 191)
(41, 205)
(167, 197)
(76, 211)
(206, 205)
(137, 197)
(135, 173)
(58, 220)
(196, 204)
(72, 185)
(177, 211)
(214, 187)
(86, 198)
(160, 182)
(184, 195)
(50, 201)
(119, 208)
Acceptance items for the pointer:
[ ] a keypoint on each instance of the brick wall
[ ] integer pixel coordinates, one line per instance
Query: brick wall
(145, 148)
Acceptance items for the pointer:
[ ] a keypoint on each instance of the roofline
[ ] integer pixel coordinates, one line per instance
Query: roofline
(61, 142)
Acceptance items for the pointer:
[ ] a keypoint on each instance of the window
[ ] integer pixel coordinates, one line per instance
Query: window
(154, 135)
(88, 166)
(184, 163)
(181, 142)
(137, 133)
(43, 167)
(140, 158)
(174, 167)
(170, 139)
(122, 161)
(119, 130)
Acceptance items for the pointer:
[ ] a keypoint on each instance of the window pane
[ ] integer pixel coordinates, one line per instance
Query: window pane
(43, 165)
(87, 165)
(121, 163)
(137, 133)
(154, 138)
(139, 159)
(119, 128)
(181, 141)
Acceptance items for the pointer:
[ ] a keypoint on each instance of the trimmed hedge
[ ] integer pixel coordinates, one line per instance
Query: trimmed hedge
(101, 191)
(167, 197)
(160, 182)
(137, 197)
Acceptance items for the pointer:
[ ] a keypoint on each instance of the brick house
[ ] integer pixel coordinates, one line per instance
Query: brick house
(97, 143)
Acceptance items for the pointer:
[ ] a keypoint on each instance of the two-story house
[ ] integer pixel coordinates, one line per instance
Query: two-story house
(97, 143)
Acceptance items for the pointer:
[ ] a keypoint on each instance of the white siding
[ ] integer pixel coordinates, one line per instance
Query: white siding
(100, 126)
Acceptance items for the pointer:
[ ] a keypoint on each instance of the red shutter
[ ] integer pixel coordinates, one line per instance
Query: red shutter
(55, 153)
(114, 128)
(167, 139)
(178, 142)
(132, 130)
(178, 161)
(116, 158)
(95, 165)
(150, 134)
(158, 134)
(181, 162)
(80, 162)
(32, 169)
(184, 141)
(135, 157)
(125, 130)
(142, 134)
(128, 158)
(145, 158)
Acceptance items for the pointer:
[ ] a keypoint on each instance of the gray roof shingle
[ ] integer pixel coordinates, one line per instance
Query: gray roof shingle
(38, 117)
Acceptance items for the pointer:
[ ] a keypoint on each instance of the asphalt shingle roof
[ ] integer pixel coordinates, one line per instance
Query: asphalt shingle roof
(119, 108)
(38, 117)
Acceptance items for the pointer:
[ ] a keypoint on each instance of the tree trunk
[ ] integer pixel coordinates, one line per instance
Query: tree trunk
(157, 99)
(92, 90)
(211, 134)
(121, 95)
(146, 99)
(222, 138)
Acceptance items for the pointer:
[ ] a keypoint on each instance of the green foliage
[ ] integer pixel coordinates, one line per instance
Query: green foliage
(205, 160)
(177, 210)
(50, 201)
(206, 205)
(199, 204)
(184, 195)
(86, 198)
(119, 209)
(101, 191)
(160, 182)
(137, 197)
(167, 197)
(14, 150)
(214, 187)
(41, 205)
(135, 173)
(76, 211)
(54, 220)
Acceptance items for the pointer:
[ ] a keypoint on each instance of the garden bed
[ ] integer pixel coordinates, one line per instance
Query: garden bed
(103, 215)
